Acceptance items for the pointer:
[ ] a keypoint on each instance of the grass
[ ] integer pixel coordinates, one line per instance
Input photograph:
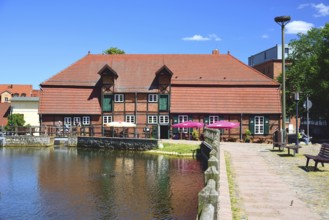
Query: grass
(237, 212)
(177, 148)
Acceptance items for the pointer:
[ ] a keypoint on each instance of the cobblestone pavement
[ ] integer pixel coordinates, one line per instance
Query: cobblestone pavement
(275, 185)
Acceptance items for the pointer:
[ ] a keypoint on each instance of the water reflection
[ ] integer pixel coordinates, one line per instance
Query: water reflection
(52, 183)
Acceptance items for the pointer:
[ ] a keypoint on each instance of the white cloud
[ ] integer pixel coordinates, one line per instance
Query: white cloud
(214, 37)
(198, 37)
(296, 27)
(265, 36)
(322, 10)
(301, 6)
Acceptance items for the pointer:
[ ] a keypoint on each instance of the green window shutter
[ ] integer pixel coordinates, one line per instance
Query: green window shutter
(164, 103)
(107, 103)
(206, 120)
(175, 121)
(252, 124)
(266, 125)
(155, 131)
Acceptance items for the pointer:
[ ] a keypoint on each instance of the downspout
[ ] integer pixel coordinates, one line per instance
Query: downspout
(135, 128)
(102, 114)
(241, 117)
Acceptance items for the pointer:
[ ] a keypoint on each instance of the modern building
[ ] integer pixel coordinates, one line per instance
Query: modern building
(155, 91)
(269, 61)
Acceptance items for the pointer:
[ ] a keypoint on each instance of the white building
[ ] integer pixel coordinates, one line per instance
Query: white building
(27, 106)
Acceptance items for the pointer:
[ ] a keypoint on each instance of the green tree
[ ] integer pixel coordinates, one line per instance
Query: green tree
(15, 120)
(309, 72)
(113, 50)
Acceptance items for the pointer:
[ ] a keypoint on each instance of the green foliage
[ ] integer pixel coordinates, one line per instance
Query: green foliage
(309, 72)
(247, 135)
(15, 120)
(113, 50)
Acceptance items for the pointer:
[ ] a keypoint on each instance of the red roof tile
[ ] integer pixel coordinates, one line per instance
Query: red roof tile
(69, 101)
(225, 100)
(136, 72)
(16, 88)
(4, 111)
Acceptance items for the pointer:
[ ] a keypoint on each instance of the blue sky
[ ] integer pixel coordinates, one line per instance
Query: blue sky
(40, 38)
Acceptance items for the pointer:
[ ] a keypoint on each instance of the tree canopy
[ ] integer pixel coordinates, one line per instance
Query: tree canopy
(15, 120)
(309, 72)
(113, 50)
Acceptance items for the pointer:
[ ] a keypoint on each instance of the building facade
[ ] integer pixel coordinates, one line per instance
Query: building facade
(156, 91)
(269, 61)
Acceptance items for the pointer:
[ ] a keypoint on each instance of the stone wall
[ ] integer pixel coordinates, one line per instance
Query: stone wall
(117, 143)
(28, 141)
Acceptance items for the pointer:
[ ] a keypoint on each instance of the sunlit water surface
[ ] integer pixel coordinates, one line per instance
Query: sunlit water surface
(66, 183)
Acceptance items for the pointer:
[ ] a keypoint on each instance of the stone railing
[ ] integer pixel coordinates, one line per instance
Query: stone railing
(27, 141)
(208, 196)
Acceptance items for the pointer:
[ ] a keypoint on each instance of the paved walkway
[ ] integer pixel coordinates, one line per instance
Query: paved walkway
(272, 185)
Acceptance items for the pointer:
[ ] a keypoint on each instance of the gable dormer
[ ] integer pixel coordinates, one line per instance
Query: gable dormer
(163, 76)
(108, 77)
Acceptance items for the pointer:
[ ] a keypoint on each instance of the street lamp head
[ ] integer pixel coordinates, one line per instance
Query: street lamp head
(282, 19)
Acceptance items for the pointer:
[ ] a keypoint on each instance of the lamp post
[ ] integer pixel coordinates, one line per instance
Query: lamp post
(282, 21)
(297, 130)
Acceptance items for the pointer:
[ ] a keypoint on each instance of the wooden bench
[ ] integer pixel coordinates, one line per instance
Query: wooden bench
(277, 140)
(322, 157)
(280, 145)
(293, 147)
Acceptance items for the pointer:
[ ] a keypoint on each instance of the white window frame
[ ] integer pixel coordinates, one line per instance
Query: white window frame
(119, 98)
(153, 97)
(107, 119)
(86, 120)
(259, 124)
(213, 119)
(130, 118)
(182, 118)
(163, 119)
(152, 119)
(67, 121)
(76, 121)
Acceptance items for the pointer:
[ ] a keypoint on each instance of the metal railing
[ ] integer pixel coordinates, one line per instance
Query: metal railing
(74, 131)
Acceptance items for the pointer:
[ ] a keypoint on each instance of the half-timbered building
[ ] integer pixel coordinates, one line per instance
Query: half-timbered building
(155, 91)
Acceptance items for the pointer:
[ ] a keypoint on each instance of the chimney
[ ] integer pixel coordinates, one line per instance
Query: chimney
(215, 51)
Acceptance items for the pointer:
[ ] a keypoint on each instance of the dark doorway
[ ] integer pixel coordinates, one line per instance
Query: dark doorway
(164, 131)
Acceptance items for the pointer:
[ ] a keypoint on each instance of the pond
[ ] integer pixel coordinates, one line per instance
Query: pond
(66, 183)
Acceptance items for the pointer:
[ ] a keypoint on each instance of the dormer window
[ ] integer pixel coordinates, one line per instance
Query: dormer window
(118, 98)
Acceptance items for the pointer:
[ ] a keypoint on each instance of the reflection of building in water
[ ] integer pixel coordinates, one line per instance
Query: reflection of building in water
(109, 184)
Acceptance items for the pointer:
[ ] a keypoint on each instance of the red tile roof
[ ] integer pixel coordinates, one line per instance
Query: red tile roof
(17, 88)
(226, 100)
(4, 111)
(69, 101)
(136, 72)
